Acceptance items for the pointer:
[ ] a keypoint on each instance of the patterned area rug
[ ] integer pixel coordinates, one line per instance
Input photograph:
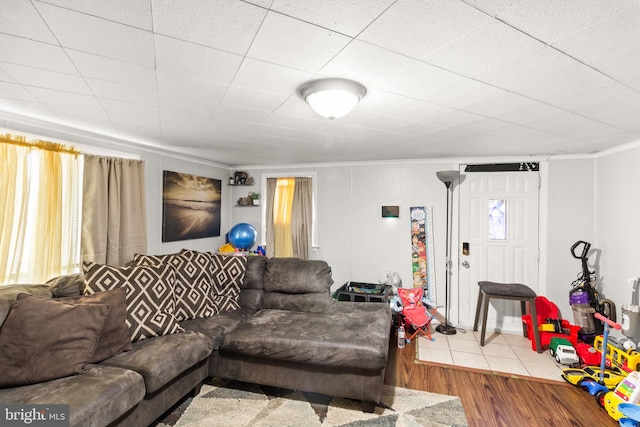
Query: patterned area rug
(231, 403)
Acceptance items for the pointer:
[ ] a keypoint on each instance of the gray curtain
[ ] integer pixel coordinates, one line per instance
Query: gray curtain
(301, 217)
(114, 221)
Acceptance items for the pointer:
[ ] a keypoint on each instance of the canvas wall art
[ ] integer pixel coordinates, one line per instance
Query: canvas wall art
(190, 207)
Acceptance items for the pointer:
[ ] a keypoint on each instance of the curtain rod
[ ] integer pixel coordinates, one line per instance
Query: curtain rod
(38, 143)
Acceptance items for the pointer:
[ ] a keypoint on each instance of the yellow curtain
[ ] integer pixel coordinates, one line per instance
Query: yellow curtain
(283, 200)
(40, 206)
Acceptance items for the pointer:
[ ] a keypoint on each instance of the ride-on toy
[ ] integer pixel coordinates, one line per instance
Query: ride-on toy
(598, 388)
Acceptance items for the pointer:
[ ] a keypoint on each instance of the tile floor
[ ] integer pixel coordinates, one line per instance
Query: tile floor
(502, 353)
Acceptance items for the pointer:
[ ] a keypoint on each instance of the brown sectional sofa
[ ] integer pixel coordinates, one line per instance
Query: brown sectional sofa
(281, 329)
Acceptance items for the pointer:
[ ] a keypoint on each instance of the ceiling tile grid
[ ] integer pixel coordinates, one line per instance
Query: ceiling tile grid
(218, 80)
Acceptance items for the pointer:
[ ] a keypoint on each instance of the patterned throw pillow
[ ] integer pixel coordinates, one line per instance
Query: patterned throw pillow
(193, 282)
(227, 273)
(150, 295)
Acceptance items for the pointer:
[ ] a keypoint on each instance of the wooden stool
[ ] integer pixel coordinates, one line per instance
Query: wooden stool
(511, 291)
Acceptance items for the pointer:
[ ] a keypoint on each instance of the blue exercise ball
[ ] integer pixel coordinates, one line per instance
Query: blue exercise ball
(243, 236)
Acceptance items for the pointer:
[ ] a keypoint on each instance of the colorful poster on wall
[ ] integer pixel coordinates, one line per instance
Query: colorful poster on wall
(422, 250)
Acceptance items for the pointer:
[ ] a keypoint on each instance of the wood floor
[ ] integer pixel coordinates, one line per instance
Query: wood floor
(492, 400)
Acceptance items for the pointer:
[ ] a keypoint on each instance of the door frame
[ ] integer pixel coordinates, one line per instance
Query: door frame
(543, 191)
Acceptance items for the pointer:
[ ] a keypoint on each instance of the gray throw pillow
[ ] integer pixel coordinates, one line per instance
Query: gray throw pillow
(115, 338)
(43, 339)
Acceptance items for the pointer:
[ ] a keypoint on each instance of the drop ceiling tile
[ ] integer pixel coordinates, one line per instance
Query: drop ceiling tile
(419, 81)
(482, 49)
(260, 75)
(30, 76)
(234, 111)
(65, 99)
(15, 91)
(605, 97)
(254, 99)
(224, 24)
(192, 60)
(553, 20)
(111, 70)
(129, 108)
(500, 104)
(120, 92)
(84, 118)
(366, 63)
(492, 7)
(296, 44)
(4, 77)
(20, 18)
(419, 27)
(459, 93)
(31, 109)
(189, 87)
(136, 13)
(198, 107)
(99, 36)
(126, 120)
(16, 50)
(348, 18)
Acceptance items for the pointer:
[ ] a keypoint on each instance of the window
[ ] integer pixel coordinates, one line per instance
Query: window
(42, 206)
(288, 216)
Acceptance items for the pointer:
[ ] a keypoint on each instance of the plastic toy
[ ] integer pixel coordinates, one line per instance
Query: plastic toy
(628, 361)
(243, 236)
(589, 375)
(601, 386)
(628, 391)
(562, 350)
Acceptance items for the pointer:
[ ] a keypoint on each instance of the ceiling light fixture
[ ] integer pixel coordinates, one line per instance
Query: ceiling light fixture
(332, 97)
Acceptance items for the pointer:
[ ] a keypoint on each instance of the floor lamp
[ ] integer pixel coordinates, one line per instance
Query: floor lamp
(447, 177)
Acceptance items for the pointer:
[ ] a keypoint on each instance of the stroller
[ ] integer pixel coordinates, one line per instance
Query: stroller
(411, 305)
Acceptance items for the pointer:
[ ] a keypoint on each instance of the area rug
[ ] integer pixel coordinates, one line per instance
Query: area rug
(231, 403)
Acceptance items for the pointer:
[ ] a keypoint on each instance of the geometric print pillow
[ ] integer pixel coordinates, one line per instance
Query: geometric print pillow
(193, 282)
(149, 296)
(227, 273)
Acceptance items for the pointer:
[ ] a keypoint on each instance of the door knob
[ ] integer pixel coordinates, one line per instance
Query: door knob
(465, 264)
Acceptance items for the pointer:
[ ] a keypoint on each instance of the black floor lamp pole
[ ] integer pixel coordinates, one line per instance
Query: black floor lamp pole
(447, 177)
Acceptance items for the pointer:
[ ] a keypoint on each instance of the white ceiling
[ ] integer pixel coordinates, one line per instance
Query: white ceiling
(217, 79)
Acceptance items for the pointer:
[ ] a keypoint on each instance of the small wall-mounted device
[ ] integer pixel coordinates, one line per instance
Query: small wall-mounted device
(390, 211)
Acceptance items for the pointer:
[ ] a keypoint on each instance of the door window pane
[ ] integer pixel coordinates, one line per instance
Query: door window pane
(497, 219)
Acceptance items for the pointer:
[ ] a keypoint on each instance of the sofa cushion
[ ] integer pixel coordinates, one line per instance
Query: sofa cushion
(115, 337)
(218, 326)
(69, 285)
(9, 293)
(227, 274)
(354, 335)
(253, 283)
(161, 359)
(43, 339)
(97, 397)
(193, 282)
(149, 295)
(297, 285)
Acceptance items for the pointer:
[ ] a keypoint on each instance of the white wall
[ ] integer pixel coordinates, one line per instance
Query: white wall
(618, 223)
(570, 217)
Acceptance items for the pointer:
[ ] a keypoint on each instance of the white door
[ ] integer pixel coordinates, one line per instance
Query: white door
(498, 241)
